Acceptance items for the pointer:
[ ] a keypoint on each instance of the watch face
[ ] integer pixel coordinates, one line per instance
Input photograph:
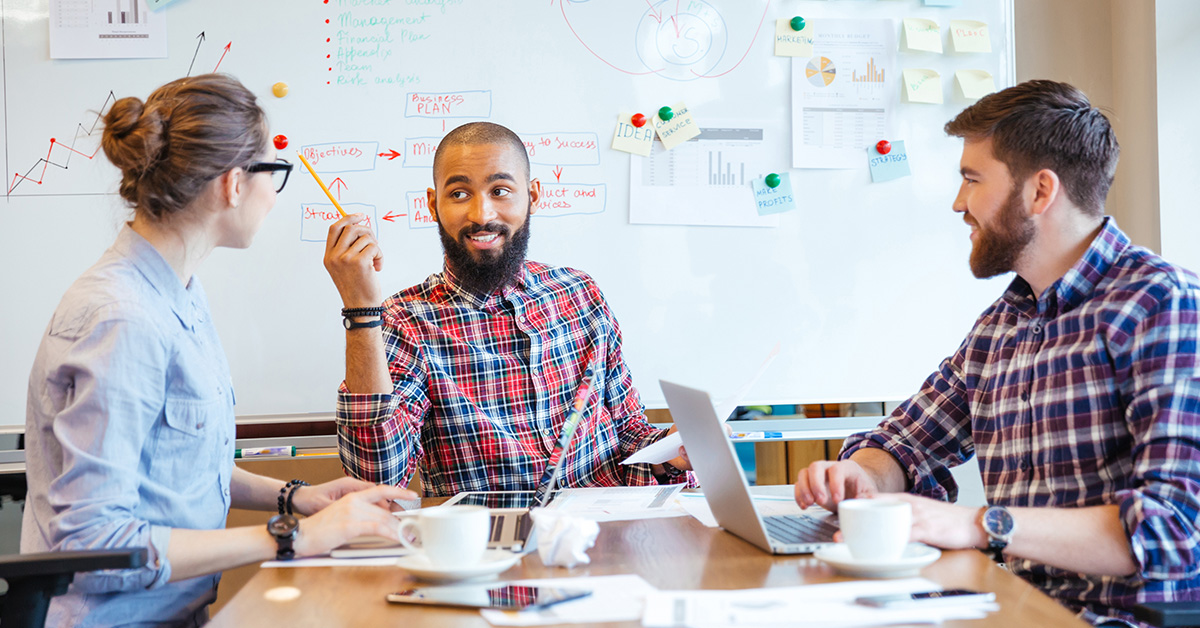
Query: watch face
(998, 521)
(282, 525)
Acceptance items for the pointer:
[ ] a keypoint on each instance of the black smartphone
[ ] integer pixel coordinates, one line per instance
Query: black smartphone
(507, 597)
(926, 598)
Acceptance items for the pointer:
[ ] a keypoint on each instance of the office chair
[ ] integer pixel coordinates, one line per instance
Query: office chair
(35, 578)
(1169, 614)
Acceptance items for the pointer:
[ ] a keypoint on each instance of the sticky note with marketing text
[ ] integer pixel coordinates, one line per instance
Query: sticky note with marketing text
(970, 36)
(774, 200)
(633, 139)
(974, 84)
(790, 42)
(922, 34)
(923, 86)
(890, 166)
(679, 129)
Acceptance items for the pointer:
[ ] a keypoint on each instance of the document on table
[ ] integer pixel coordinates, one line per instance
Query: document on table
(667, 447)
(811, 605)
(619, 503)
(613, 599)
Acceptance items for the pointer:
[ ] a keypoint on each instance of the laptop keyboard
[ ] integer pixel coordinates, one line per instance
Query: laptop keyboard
(793, 529)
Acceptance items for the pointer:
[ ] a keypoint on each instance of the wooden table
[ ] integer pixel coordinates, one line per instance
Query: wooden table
(674, 553)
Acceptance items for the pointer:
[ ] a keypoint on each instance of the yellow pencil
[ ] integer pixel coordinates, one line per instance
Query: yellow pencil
(322, 184)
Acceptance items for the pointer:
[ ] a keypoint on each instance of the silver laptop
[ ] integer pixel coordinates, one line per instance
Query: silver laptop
(716, 466)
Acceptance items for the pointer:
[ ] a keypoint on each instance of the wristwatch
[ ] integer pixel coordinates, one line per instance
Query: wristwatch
(285, 529)
(999, 525)
(671, 472)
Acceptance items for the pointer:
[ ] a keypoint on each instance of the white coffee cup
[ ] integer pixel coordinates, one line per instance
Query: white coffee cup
(875, 529)
(451, 537)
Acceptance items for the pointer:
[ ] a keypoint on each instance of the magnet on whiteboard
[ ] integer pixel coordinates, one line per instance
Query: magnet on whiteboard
(280, 89)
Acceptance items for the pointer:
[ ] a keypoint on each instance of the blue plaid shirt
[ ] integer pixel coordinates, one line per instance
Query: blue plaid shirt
(1087, 395)
(482, 387)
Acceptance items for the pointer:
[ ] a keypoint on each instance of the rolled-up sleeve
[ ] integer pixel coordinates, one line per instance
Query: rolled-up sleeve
(102, 430)
(1161, 508)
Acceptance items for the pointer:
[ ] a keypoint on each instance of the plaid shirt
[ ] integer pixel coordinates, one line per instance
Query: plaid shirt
(1089, 395)
(483, 384)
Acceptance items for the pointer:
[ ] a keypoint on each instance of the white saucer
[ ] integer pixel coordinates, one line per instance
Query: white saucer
(494, 562)
(916, 556)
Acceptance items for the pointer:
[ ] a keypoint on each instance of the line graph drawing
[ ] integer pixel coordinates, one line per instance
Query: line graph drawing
(81, 130)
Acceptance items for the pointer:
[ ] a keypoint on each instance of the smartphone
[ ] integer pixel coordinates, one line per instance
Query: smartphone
(948, 597)
(507, 597)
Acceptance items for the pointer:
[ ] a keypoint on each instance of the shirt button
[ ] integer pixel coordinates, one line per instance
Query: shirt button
(1037, 329)
(1024, 395)
(546, 431)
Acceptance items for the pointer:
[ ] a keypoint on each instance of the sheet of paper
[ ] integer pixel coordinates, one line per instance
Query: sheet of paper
(321, 561)
(613, 599)
(632, 139)
(842, 97)
(890, 166)
(668, 446)
(812, 605)
(974, 84)
(120, 29)
(793, 43)
(970, 36)
(619, 503)
(774, 200)
(705, 181)
(922, 34)
(679, 129)
(922, 85)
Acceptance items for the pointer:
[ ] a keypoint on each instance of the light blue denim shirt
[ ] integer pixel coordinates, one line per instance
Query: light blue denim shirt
(129, 432)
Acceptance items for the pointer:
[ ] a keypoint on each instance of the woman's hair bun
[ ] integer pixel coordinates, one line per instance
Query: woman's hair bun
(134, 136)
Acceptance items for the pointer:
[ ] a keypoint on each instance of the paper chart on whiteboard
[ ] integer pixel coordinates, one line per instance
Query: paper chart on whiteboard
(842, 98)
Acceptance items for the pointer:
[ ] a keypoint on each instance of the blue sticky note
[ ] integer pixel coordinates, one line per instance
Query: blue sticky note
(890, 166)
(774, 200)
(943, 3)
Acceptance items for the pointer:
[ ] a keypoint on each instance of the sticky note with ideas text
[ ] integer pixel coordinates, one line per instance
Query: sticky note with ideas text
(890, 166)
(970, 36)
(793, 43)
(923, 86)
(632, 139)
(974, 84)
(922, 34)
(678, 129)
(774, 200)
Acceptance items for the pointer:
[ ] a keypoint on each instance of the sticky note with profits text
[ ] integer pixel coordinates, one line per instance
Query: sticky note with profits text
(923, 86)
(774, 200)
(632, 139)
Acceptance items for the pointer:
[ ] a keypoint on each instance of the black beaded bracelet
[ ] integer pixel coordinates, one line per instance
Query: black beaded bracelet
(362, 311)
(285, 495)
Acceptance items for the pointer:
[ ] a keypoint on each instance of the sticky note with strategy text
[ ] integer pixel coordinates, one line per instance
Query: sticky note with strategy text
(774, 200)
(633, 139)
(679, 129)
(922, 85)
(922, 34)
(974, 84)
(890, 166)
(970, 36)
(790, 42)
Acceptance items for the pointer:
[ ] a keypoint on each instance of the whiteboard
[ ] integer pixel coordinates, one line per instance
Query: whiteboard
(866, 285)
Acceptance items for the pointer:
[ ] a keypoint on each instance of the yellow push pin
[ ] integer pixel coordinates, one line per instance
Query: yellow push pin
(280, 89)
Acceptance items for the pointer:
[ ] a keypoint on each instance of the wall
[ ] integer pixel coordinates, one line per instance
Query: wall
(1178, 48)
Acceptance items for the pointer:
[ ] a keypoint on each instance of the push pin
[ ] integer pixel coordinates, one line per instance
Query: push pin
(883, 147)
(281, 142)
(638, 120)
(666, 114)
(772, 180)
(797, 23)
(280, 89)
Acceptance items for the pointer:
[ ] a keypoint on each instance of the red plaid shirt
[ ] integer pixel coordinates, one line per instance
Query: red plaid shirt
(482, 387)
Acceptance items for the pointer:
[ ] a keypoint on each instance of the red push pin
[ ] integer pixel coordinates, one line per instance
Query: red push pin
(883, 147)
(638, 120)
(280, 142)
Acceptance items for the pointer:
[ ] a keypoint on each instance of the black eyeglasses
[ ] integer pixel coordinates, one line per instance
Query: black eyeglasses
(280, 169)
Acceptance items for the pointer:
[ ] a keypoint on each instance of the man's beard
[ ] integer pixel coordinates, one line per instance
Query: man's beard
(494, 269)
(997, 247)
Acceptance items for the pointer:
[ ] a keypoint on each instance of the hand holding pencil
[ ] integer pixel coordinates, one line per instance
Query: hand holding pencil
(352, 254)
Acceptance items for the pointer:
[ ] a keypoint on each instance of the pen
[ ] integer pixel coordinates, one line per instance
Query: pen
(254, 452)
(321, 183)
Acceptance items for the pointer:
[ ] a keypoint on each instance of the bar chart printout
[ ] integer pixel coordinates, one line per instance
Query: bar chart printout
(106, 29)
(704, 181)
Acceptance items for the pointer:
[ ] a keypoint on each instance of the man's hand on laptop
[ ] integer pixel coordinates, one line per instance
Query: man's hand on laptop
(827, 483)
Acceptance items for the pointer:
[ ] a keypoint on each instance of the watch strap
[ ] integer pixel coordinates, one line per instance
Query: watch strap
(350, 324)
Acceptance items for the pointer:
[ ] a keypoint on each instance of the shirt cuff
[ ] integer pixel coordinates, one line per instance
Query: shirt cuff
(160, 540)
(921, 480)
(361, 409)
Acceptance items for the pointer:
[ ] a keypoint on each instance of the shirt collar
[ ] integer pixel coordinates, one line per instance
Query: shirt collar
(479, 300)
(159, 274)
(1079, 282)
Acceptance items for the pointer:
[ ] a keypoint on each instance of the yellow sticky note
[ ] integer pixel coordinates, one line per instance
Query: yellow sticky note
(970, 36)
(793, 43)
(679, 129)
(974, 84)
(922, 34)
(923, 86)
(633, 139)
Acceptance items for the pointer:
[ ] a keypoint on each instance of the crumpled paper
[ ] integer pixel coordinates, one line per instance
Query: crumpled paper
(563, 540)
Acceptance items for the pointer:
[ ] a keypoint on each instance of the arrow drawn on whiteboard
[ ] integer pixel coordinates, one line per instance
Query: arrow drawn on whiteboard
(654, 13)
(557, 173)
(391, 154)
(337, 185)
(223, 56)
(390, 217)
(201, 38)
(752, 40)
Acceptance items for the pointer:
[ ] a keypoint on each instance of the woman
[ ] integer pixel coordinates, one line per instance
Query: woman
(130, 423)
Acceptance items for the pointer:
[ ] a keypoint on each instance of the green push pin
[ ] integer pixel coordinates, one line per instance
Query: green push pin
(666, 114)
(797, 23)
(772, 180)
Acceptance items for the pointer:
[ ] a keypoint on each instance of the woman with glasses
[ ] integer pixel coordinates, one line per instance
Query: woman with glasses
(130, 415)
